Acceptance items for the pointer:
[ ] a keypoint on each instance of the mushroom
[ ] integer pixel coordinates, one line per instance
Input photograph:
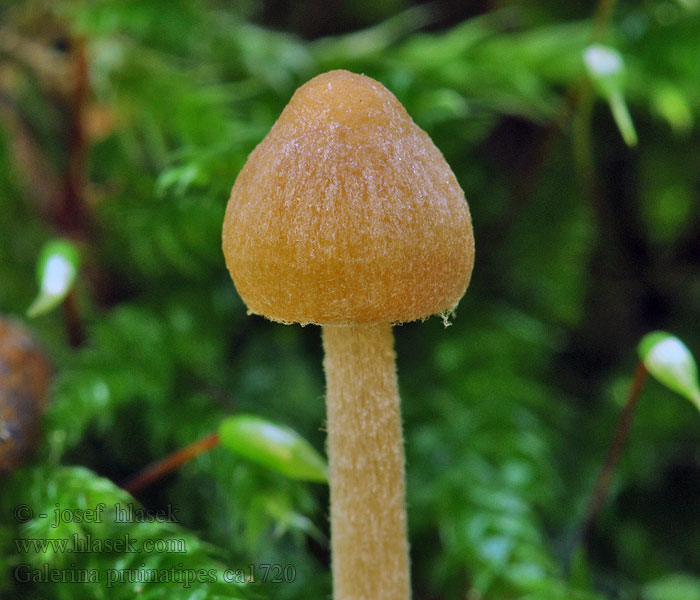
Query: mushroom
(25, 380)
(346, 215)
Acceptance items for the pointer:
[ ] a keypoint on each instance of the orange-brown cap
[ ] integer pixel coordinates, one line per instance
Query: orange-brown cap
(347, 213)
(25, 379)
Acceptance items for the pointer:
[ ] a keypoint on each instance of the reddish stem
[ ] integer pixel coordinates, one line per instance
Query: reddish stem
(614, 452)
(161, 468)
(601, 19)
(74, 324)
(577, 94)
(72, 217)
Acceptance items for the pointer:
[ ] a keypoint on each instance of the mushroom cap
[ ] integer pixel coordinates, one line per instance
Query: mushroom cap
(25, 378)
(347, 213)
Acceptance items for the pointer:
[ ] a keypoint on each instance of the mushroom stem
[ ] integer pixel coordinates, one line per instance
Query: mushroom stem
(365, 449)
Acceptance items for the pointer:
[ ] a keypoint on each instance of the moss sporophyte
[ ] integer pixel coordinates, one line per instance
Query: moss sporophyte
(347, 216)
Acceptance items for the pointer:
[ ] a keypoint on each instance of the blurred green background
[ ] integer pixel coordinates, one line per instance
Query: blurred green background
(123, 127)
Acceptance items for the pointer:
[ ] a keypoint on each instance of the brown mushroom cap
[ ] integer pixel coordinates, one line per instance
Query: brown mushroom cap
(347, 213)
(25, 378)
